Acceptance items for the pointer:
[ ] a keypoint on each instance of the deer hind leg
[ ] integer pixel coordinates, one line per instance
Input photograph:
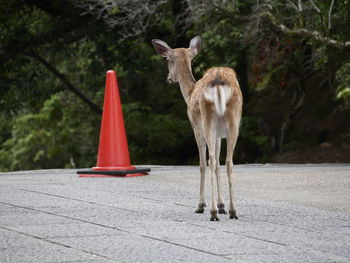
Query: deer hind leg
(210, 137)
(221, 204)
(232, 134)
(202, 148)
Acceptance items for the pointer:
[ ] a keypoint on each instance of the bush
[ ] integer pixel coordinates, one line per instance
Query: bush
(343, 79)
(158, 138)
(55, 137)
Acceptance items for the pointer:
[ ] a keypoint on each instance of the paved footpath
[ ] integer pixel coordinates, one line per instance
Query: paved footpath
(288, 213)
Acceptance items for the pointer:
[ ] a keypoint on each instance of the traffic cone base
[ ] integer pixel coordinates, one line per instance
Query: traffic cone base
(91, 173)
(114, 173)
(105, 175)
(113, 155)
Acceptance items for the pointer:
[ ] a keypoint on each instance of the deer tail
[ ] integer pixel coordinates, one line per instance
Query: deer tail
(218, 92)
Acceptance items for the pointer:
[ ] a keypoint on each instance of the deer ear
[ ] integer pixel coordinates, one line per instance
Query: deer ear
(162, 48)
(195, 45)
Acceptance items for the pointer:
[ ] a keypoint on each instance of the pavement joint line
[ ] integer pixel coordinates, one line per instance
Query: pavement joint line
(64, 216)
(57, 243)
(147, 198)
(109, 227)
(208, 227)
(90, 202)
(257, 238)
(280, 224)
(238, 234)
(102, 235)
(182, 205)
(188, 247)
(155, 200)
(84, 201)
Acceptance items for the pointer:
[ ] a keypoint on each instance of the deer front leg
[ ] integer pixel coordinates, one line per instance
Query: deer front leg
(202, 167)
(221, 204)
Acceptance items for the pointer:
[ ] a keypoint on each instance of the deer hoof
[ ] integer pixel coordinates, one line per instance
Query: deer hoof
(222, 209)
(200, 208)
(233, 214)
(214, 216)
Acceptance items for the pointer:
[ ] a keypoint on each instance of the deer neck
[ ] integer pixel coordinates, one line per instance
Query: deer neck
(186, 80)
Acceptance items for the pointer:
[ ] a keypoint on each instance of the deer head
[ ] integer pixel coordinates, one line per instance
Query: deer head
(179, 59)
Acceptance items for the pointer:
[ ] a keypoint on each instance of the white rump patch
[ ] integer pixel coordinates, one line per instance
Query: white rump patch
(219, 95)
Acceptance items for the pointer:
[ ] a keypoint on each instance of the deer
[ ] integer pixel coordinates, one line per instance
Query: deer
(214, 108)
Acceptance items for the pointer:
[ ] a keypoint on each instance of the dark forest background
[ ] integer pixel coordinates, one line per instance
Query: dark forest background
(292, 60)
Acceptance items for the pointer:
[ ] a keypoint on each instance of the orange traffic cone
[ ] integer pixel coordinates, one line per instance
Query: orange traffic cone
(113, 154)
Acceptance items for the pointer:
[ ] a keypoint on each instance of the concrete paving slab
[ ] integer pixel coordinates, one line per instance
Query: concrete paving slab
(288, 213)
(22, 247)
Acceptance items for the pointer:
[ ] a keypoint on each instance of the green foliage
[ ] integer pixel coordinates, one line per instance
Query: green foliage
(158, 138)
(252, 146)
(343, 79)
(250, 131)
(220, 40)
(52, 138)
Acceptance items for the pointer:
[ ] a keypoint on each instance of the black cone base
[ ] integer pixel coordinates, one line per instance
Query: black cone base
(119, 173)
